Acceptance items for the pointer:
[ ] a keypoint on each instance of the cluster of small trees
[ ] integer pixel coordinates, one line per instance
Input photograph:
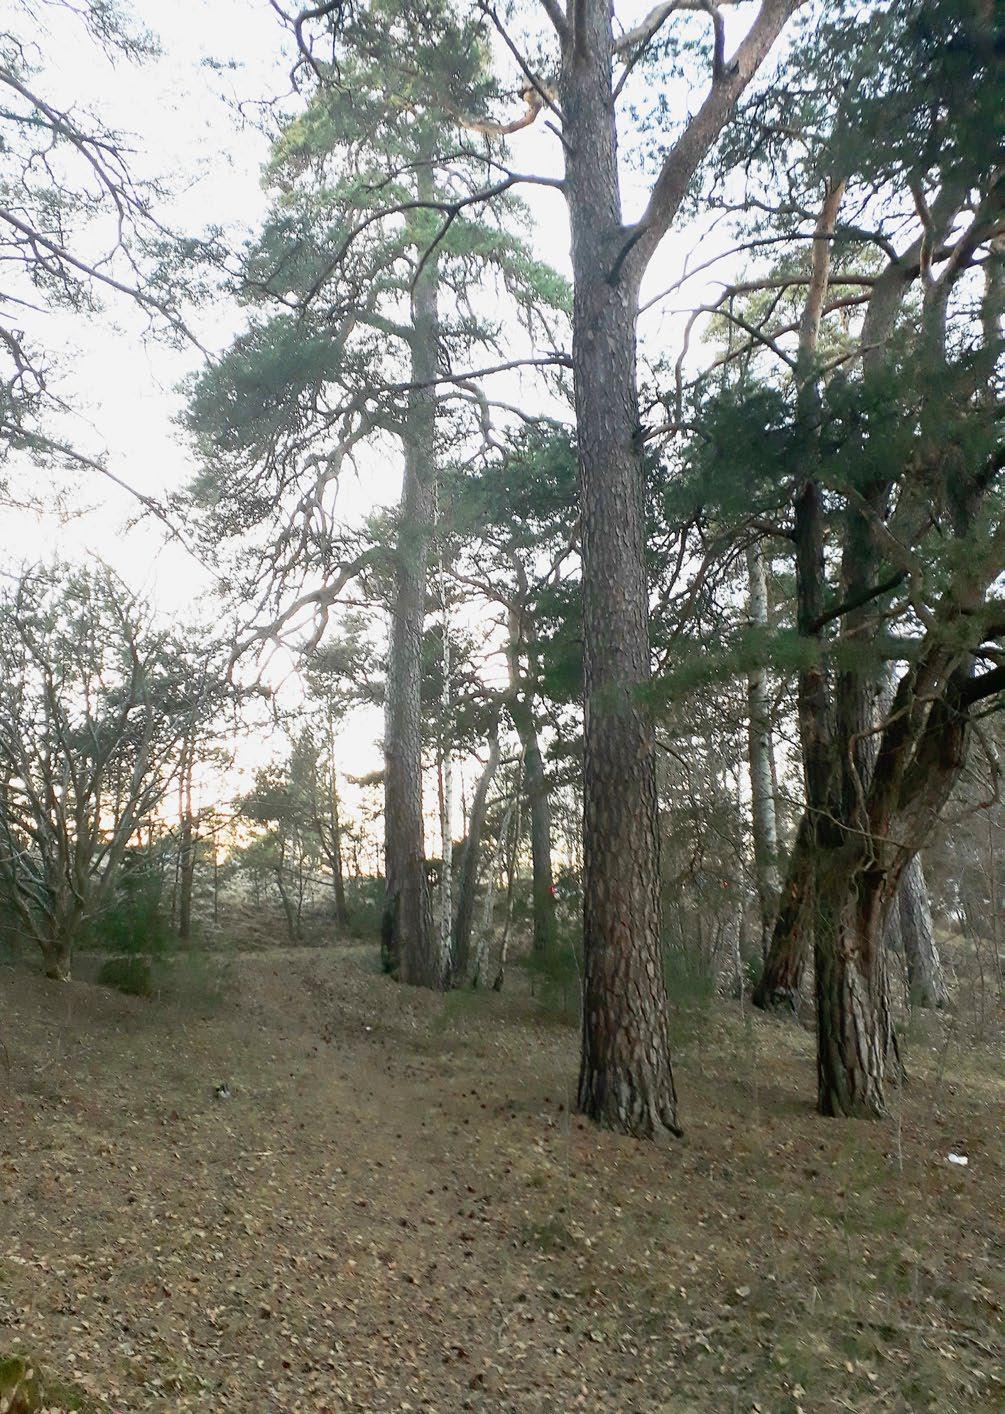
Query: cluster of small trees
(744, 601)
(99, 710)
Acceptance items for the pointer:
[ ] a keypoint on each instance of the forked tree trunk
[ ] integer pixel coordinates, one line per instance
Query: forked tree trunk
(925, 978)
(625, 1075)
(408, 943)
(467, 892)
(759, 745)
(792, 938)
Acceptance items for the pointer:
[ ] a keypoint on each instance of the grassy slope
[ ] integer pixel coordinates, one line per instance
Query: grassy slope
(397, 1210)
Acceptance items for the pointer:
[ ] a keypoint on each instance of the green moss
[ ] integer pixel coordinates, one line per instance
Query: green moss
(551, 1235)
(23, 1390)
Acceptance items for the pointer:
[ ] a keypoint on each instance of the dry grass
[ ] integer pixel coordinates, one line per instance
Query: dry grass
(397, 1210)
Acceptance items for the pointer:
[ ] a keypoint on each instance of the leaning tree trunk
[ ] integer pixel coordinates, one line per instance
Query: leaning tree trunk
(759, 745)
(792, 937)
(925, 978)
(408, 944)
(625, 1075)
(467, 891)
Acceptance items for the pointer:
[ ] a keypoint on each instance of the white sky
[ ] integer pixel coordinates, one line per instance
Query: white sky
(182, 113)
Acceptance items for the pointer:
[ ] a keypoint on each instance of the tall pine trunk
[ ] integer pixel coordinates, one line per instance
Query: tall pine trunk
(625, 1074)
(408, 942)
(543, 885)
(521, 708)
(337, 864)
(467, 891)
(328, 827)
(760, 752)
(186, 852)
(445, 774)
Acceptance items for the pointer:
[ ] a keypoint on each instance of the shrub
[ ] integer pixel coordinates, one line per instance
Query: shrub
(556, 975)
(134, 928)
(365, 901)
(132, 975)
(133, 920)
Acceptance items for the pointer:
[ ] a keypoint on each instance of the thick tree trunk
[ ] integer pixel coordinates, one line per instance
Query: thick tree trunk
(792, 937)
(56, 954)
(625, 1075)
(467, 892)
(759, 745)
(925, 977)
(855, 1043)
(408, 943)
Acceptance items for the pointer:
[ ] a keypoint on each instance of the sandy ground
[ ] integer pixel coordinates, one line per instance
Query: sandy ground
(397, 1209)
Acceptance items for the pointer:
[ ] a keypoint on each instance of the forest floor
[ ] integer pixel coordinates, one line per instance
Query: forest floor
(397, 1208)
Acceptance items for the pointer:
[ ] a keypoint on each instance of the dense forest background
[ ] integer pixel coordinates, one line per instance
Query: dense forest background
(502, 527)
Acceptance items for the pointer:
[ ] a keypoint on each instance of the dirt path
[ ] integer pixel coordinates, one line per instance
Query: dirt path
(397, 1211)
